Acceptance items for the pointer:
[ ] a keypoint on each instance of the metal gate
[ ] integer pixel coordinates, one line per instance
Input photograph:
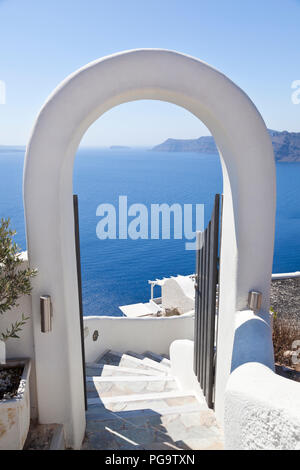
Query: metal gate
(78, 263)
(206, 280)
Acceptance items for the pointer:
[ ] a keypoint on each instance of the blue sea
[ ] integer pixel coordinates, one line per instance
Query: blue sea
(116, 272)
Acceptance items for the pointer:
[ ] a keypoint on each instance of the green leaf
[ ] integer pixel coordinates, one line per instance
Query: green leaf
(14, 281)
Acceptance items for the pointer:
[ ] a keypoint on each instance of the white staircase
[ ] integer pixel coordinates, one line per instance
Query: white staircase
(135, 403)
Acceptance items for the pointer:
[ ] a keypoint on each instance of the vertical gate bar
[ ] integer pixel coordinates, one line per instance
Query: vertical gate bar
(214, 259)
(200, 295)
(207, 312)
(79, 282)
(196, 318)
(210, 291)
(206, 324)
(217, 244)
(212, 301)
(199, 306)
(220, 221)
(203, 309)
(202, 260)
(203, 291)
(197, 302)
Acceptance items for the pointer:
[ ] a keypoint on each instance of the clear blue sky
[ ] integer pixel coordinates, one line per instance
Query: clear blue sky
(255, 42)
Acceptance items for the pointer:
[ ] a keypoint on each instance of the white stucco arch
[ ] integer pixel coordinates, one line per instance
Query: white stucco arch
(249, 204)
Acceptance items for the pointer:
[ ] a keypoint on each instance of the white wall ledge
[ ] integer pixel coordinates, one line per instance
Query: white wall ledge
(278, 276)
(138, 334)
(262, 409)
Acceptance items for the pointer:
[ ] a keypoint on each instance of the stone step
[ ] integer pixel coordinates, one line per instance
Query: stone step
(105, 370)
(124, 385)
(154, 401)
(149, 361)
(125, 360)
(134, 403)
(136, 355)
(158, 358)
(98, 412)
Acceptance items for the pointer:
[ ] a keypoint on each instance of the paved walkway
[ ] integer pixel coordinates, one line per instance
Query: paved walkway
(135, 403)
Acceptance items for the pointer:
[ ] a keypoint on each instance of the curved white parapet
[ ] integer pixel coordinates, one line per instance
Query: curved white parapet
(136, 334)
(262, 409)
(182, 366)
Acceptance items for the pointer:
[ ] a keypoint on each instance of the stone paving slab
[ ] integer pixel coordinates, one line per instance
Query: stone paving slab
(188, 431)
(104, 370)
(117, 387)
(100, 413)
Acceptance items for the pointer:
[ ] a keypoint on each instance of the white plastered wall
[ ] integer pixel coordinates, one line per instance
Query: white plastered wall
(135, 334)
(249, 204)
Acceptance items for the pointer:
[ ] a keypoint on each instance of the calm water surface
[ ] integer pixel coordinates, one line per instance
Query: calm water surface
(116, 272)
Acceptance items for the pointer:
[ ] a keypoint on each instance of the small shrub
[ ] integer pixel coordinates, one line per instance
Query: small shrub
(14, 281)
(284, 333)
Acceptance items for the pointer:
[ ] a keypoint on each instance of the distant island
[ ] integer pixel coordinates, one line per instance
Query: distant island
(286, 145)
(119, 147)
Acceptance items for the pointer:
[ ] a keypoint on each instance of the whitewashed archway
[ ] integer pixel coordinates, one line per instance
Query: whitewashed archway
(248, 217)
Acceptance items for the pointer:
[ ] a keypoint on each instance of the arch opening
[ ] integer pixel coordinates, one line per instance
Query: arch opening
(104, 173)
(248, 225)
